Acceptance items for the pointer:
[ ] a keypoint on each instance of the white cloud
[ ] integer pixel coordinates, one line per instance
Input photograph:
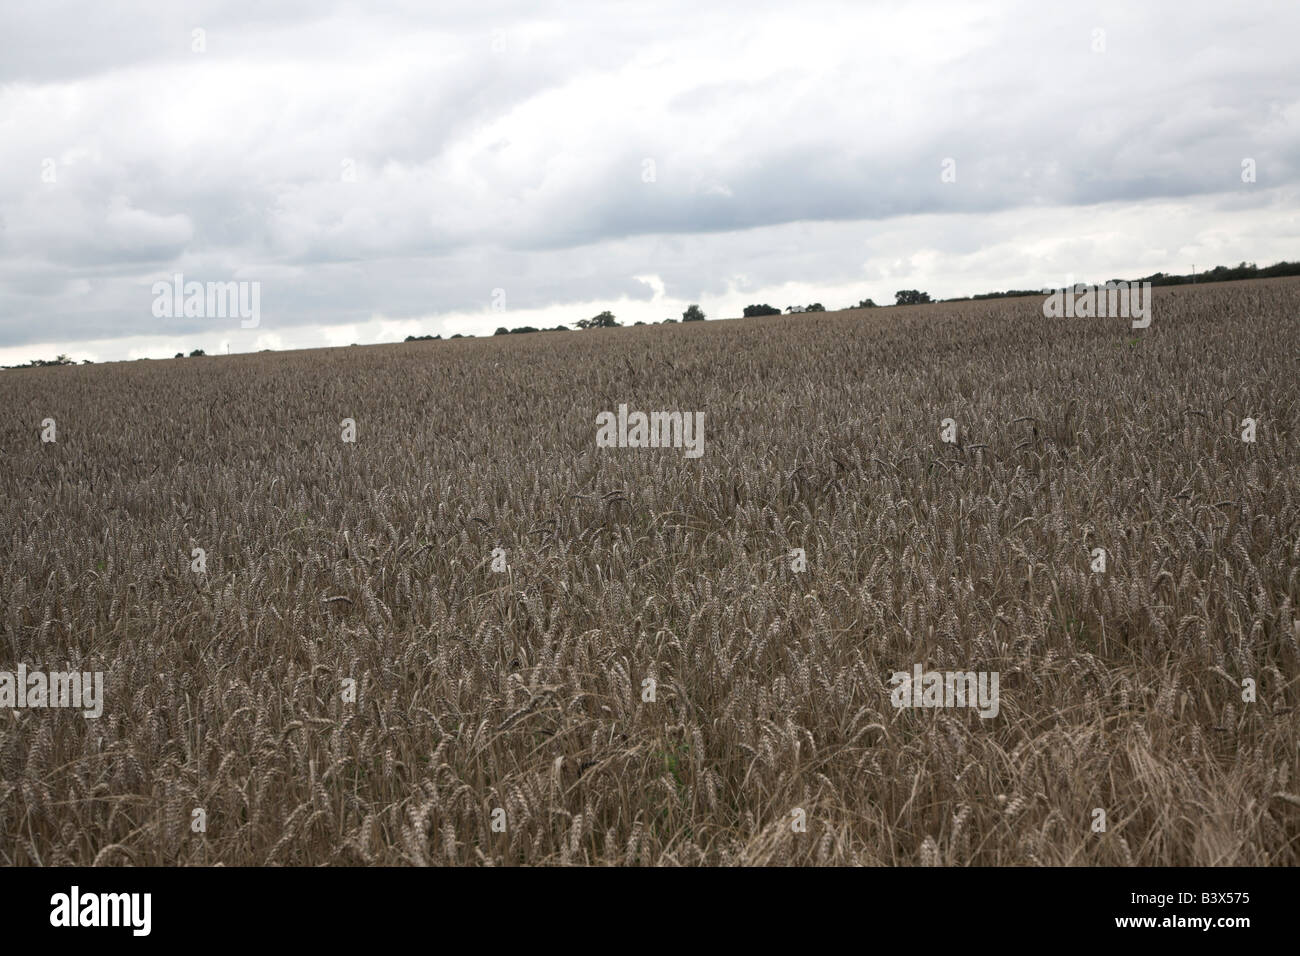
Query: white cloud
(502, 146)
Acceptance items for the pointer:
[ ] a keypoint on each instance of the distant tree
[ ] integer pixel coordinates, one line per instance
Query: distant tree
(668, 322)
(422, 338)
(197, 352)
(560, 328)
(765, 309)
(693, 314)
(87, 362)
(866, 304)
(911, 297)
(460, 336)
(522, 329)
(638, 323)
(179, 355)
(816, 307)
(605, 320)
(502, 331)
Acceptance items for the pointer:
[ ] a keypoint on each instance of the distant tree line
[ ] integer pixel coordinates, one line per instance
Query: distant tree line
(1009, 294)
(902, 297)
(605, 320)
(49, 363)
(693, 313)
(1244, 270)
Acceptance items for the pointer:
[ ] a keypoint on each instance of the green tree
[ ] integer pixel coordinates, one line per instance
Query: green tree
(605, 320)
(693, 314)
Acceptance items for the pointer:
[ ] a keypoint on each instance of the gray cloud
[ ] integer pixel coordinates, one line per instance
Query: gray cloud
(377, 167)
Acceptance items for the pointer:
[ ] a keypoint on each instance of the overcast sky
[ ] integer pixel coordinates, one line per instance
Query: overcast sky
(380, 174)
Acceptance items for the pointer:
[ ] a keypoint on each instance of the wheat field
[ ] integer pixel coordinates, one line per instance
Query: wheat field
(650, 681)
